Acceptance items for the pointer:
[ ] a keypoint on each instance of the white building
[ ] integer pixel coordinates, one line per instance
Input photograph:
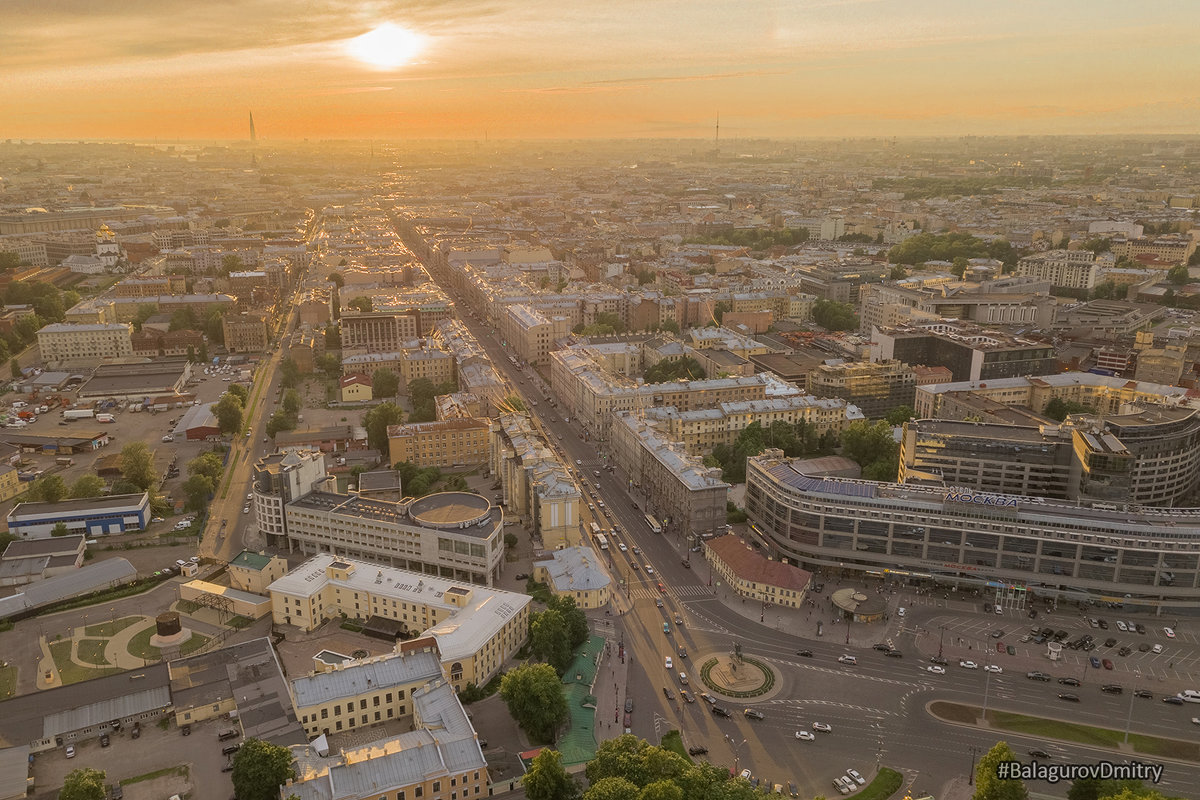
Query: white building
(63, 342)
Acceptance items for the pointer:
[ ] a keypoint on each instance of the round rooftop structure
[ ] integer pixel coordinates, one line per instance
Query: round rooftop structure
(450, 510)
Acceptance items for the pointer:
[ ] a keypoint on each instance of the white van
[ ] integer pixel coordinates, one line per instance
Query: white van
(900, 612)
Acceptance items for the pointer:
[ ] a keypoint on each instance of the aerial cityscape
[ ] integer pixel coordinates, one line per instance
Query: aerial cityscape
(454, 400)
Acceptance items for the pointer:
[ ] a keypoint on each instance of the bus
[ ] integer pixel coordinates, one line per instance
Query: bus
(602, 540)
(595, 529)
(653, 523)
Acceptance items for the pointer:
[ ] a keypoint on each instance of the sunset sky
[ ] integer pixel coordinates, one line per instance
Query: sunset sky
(178, 69)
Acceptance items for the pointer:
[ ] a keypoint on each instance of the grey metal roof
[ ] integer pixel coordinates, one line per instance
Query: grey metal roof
(388, 670)
(99, 575)
(14, 771)
(101, 711)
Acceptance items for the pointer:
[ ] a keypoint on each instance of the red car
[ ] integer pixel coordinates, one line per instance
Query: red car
(1107, 664)
(1000, 647)
(662, 588)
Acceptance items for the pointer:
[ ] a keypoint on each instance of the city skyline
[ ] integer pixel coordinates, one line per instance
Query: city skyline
(529, 70)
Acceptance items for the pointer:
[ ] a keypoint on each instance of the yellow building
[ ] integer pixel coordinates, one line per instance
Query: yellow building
(10, 483)
(575, 572)
(477, 629)
(443, 443)
(245, 332)
(756, 577)
(65, 342)
(355, 388)
(234, 601)
(254, 572)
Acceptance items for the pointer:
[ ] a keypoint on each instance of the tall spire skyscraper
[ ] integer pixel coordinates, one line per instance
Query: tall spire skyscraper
(253, 135)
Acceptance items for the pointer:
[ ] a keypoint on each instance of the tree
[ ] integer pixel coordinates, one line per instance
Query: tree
(1098, 245)
(232, 263)
(336, 279)
(137, 466)
(960, 266)
(547, 779)
(573, 618)
(88, 486)
(289, 373)
(834, 316)
(1194, 258)
(228, 412)
(1100, 788)
(900, 415)
(208, 464)
(362, 304)
(548, 640)
(1058, 409)
(14, 368)
(260, 768)
(385, 383)
(59, 529)
(612, 788)
(988, 784)
(84, 784)
(144, 312)
(9, 260)
(898, 272)
(330, 364)
(333, 337)
(670, 326)
(377, 420)
(49, 489)
(873, 447)
(240, 392)
(666, 371)
(198, 489)
(291, 402)
(280, 421)
(1178, 275)
(534, 696)
(661, 790)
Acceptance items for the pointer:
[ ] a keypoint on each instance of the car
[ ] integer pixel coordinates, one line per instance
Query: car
(987, 608)
(628, 705)
(662, 588)
(621, 546)
(1026, 638)
(1145, 694)
(70, 751)
(938, 660)
(227, 766)
(658, 602)
(682, 651)
(1110, 642)
(1061, 636)
(746, 774)
(968, 665)
(1139, 627)
(1107, 664)
(1103, 624)
(649, 569)
(522, 576)
(1158, 648)
(997, 634)
(157, 519)
(686, 564)
(847, 659)
(230, 749)
(1124, 651)
(1069, 681)
(1039, 754)
(635, 565)
(821, 727)
(1095, 623)
(1070, 698)
(1012, 651)
(841, 787)
(936, 670)
(1000, 647)
(1112, 688)
(1173, 700)
(667, 628)
(859, 779)
(1196, 720)
(245, 509)
(720, 711)
(116, 792)
(894, 654)
(753, 713)
(804, 653)
(686, 695)
(708, 698)
(1095, 662)
(805, 736)
(668, 662)
(999, 609)
(265, 440)
(578, 462)
(697, 750)
(993, 668)
(187, 730)
(1170, 632)
(883, 648)
(1121, 626)
(104, 740)
(136, 731)
(637, 551)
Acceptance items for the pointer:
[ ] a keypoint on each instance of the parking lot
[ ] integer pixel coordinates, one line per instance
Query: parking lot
(155, 750)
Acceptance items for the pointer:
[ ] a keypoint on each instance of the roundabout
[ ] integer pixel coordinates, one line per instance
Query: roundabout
(735, 675)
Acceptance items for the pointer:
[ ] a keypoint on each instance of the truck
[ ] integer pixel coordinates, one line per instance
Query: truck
(64, 461)
(78, 413)
(105, 418)
(26, 415)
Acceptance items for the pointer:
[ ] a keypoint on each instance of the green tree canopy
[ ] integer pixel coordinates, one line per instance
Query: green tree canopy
(232, 263)
(900, 415)
(947, 246)
(362, 304)
(613, 788)
(548, 639)
(208, 464)
(873, 447)
(1058, 409)
(1178, 275)
(280, 421)
(49, 488)
(144, 312)
(755, 238)
(534, 696)
(834, 316)
(377, 420)
(291, 401)
(260, 768)
(547, 779)
(988, 784)
(666, 371)
(573, 618)
(83, 784)
(421, 393)
(289, 373)
(1100, 788)
(59, 529)
(198, 489)
(336, 279)
(385, 383)
(228, 412)
(88, 486)
(240, 392)
(137, 465)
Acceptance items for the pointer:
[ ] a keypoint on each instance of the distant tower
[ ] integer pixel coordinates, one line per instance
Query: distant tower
(253, 135)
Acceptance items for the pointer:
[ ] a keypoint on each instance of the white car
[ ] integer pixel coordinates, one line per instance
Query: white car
(821, 727)
(578, 463)
(245, 509)
(746, 774)
(847, 660)
(1170, 632)
(805, 736)
(993, 668)
(668, 662)
(622, 547)
(649, 570)
(1196, 720)
(859, 779)
(999, 610)
(1156, 649)
(936, 670)
(968, 665)
(1121, 626)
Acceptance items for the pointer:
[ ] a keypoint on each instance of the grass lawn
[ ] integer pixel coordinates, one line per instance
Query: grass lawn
(181, 771)
(109, 629)
(140, 647)
(886, 784)
(92, 651)
(672, 741)
(8, 681)
(239, 622)
(69, 671)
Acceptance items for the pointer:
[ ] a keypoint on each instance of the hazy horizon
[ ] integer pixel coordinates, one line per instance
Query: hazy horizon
(533, 70)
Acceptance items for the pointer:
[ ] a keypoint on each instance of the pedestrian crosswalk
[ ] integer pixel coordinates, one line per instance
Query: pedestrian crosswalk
(647, 592)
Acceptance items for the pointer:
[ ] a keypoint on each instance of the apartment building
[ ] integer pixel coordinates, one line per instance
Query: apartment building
(246, 332)
(254, 572)
(1065, 269)
(701, 430)
(443, 443)
(528, 332)
(456, 535)
(280, 478)
(1173, 248)
(476, 629)
(1106, 394)
(971, 352)
(754, 576)
(575, 572)
(377, 331)
(874, 388)
(79, 343)
(535, 484)
(151, 286)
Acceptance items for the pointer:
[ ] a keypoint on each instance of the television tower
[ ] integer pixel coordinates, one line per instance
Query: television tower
(253, 135)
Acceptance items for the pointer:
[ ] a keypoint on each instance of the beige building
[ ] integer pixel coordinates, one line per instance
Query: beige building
(477, 629)
(1068, 269)
(245, 332)
(444, 443)
(874, 387)
(67, 343)
(355, 388)
(529, 332)
(151, 286)
(377, 331)
(754, 576)
(254, 572)
(535, 483)
(225, 598)
(1108, 395)
(575, 572)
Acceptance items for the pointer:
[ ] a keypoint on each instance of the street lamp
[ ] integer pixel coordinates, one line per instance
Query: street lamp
(941, 637)
(1129, 716)
(736, 748)
(971, 775)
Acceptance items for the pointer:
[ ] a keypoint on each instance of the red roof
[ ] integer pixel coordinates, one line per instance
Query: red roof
(748, 565)
(350, 380)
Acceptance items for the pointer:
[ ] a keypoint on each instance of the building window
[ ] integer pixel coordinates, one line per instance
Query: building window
(324, 713)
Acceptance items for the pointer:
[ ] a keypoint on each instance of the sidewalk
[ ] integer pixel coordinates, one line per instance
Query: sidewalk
(612, 677)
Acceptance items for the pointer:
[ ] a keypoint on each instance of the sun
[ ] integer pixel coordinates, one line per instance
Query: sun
(386, 47)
